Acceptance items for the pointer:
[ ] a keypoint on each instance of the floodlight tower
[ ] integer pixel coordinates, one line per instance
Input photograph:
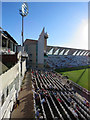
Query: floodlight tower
(23, 12)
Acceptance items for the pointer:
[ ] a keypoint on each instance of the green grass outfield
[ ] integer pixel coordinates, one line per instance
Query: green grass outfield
(81, 77)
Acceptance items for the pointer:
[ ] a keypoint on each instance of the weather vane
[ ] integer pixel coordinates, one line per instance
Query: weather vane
(23, 12)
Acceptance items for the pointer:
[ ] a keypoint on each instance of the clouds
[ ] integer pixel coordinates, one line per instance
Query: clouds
(79, 39)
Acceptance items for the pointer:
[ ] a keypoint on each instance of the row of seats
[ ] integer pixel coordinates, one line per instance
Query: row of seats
(66, 61)
(54, 100)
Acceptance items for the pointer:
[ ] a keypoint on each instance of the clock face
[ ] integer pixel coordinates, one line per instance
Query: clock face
(24, 9)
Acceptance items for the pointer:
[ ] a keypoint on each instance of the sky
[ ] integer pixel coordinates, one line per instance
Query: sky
(65, 22)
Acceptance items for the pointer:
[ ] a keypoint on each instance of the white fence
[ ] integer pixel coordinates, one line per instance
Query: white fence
(8, 104)
(7, 79)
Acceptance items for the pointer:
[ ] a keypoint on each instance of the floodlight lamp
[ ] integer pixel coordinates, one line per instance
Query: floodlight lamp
(24, 9)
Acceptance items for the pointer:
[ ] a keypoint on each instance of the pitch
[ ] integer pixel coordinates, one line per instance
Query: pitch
(81, 77)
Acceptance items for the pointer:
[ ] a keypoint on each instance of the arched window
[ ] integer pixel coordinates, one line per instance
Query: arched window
(2, 99)
(7, 92)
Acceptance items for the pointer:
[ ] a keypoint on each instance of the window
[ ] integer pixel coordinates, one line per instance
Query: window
(26, 48)
(7, 92)
(30, 55)
(3, 43)
(30, 60)
(2, 99)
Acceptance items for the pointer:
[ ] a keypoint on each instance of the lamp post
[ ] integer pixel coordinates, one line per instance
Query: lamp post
(23, 12)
